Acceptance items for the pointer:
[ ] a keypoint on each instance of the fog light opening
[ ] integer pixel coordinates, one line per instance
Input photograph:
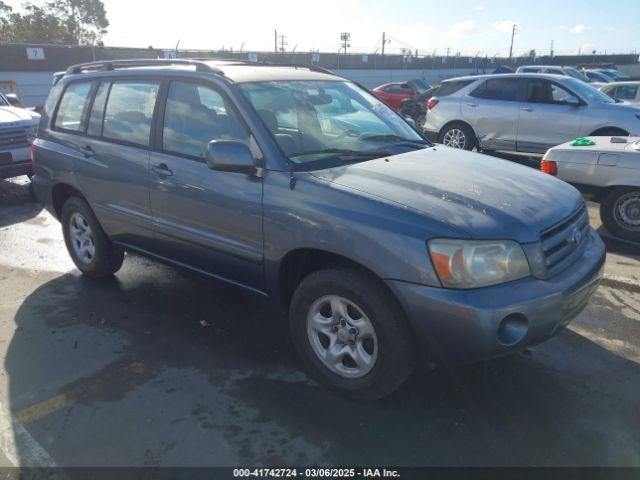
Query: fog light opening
(512, 329)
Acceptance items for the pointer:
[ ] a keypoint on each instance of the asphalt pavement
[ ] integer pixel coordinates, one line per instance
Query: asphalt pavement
(158, 367)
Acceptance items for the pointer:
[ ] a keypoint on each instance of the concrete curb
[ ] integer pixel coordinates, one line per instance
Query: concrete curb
(621, 282)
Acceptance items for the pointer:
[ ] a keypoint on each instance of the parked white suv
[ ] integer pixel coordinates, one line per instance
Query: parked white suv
(18, 127)
(524, 112)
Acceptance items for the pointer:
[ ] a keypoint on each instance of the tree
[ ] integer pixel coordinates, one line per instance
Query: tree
(59, 21)
(85, 20)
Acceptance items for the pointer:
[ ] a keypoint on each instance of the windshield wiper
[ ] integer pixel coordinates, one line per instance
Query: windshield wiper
(342, 152)
(392, 138)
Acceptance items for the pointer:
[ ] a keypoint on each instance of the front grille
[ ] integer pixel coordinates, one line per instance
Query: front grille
(564, 242)
(13, 137)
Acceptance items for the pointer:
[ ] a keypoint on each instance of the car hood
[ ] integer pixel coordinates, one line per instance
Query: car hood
(14, 114)
(486, 197)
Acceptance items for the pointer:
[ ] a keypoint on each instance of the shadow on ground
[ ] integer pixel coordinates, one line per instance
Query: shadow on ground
(156, 367)
(16, 193)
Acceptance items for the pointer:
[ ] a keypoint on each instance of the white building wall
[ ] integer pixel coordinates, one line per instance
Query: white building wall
(31, 87)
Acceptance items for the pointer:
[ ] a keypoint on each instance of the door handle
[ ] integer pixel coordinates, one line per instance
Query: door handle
(162, 170)
(472, 105)
(528, 109)
(88, 151)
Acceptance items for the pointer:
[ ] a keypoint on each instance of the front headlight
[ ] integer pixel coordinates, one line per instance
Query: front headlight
(31, 133)
(473, 264)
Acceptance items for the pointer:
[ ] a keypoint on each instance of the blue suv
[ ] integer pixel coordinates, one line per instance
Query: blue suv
(304, 188)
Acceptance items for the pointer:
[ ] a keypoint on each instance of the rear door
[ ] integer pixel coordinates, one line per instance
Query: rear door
(492, 109)
(114, 169)
(207, 219)
(545, 119)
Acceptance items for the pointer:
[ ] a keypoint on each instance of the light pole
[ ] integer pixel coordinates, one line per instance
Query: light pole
(513, 34)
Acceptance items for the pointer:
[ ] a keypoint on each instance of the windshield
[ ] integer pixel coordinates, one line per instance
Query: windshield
(587, 92)
(318, 124)
(3, 101)
(601, 77)
(575, 73)
(420, 85)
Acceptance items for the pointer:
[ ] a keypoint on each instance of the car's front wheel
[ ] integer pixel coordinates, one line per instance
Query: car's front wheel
(351, 333)
(90, 248)
(620, 212)
(458, 135)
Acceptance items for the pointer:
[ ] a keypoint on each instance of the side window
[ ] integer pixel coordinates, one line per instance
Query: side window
(559, 94)
(195, 115)
(505, 89)
(625, 92)
(538, 91)
(398, 89)
(450, 87)
(129, 111)
(72, 106)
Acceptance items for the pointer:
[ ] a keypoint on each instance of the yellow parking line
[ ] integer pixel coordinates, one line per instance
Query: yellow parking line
(42, 409)
(46, 407)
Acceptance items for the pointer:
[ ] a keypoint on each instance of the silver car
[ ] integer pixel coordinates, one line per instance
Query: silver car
(524, 112)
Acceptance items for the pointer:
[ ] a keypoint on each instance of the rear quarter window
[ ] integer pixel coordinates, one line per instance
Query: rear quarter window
(451, 87)
(73, 105)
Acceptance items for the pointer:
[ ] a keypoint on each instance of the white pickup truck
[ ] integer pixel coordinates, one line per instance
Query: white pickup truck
(18, 128)
(609, 171)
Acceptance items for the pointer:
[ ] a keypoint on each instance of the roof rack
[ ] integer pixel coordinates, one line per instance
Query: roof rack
(199, 65)
(264, 63)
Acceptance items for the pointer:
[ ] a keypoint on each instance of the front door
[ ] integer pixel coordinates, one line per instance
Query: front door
(546, 120)
(206, 219)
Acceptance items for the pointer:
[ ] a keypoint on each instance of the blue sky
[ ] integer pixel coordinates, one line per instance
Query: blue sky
(469, 27)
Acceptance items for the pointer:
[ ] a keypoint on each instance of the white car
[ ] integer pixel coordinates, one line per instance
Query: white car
(18, 128)
(608, 170)
(628, 92)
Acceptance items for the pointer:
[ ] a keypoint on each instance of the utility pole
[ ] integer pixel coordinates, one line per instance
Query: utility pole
(344, 38)
(513, 33)
(384, 41)
(551, 51)
(275, 41)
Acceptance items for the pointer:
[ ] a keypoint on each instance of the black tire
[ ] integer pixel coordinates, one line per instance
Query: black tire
(470, 140)
(611, 212)
(107, 258)
(395, 346)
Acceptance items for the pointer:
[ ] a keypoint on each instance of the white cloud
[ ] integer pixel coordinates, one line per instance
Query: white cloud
(479, 8)
(466, 27)
(505, 26)
(587, 48)
(577, 29)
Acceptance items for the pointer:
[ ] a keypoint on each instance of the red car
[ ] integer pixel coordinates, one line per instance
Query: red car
(395, 92)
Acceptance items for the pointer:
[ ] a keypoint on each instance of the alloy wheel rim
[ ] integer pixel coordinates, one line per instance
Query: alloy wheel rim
(454, 138)
(81, 237)
(342, 336)
(627, 211)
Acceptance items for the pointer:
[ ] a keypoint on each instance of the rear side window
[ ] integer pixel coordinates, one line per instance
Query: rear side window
(397, 89)
(73, 106)
(498, 89)
(448, 88)
(129, 111)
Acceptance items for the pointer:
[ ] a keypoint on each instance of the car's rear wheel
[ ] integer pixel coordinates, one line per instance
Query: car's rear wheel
(620, 212)
(458, 135)
(351, 334)
(89, 247)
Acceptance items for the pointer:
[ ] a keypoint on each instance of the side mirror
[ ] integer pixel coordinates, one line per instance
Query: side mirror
(13, 100)
(572, 101)
(230, 156)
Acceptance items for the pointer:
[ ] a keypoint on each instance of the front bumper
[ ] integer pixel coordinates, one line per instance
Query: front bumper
(468, 325)
(15, 162)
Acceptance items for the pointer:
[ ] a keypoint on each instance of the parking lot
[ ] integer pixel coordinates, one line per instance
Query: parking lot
(157, 367)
